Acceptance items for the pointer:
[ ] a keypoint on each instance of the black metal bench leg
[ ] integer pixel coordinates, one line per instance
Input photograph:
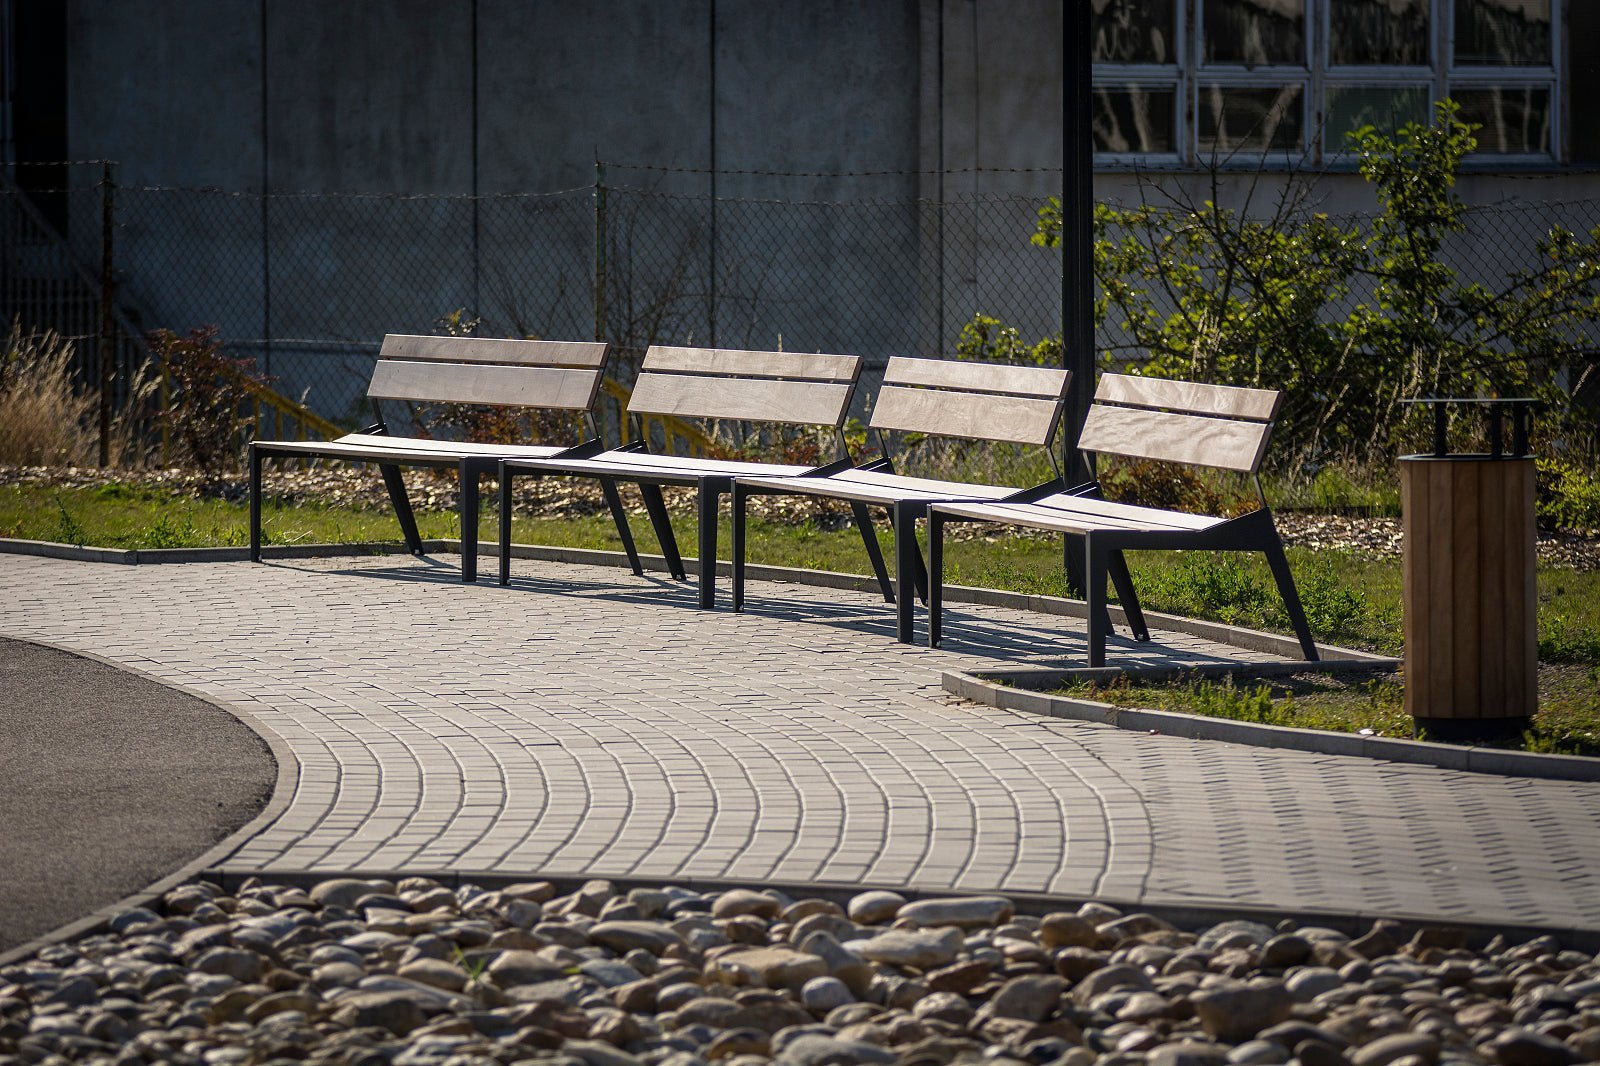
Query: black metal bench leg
(608, 488)
(256, 458)
(711, 490)
(467, 483)
(1278, 562)
(1094, 595)
(907, 559)
(1122, 581)
(506, 479)
(869, 540)
(656, 508)
(1072, 553)
(740, 495)
(402, 506)
(935, 576)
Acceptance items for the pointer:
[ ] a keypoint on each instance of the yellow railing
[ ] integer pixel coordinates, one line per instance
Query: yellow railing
(674, 431)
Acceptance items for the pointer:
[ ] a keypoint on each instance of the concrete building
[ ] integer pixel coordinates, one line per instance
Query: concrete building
(461, 139)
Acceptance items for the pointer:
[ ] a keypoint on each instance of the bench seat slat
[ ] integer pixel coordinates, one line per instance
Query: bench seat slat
(576, 354)
(625, 465)
(1227, 401)
(1222, 443)
(811, 403)
(1035, 381)
(405, 449)
(1062, 520)
(880, 487)
(482, 383)
(1013, 419)
(799, 366)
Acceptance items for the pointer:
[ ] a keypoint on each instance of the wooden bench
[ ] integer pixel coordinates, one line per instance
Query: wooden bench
(555, 375)
(1215, 426)
(705, 383)
(938, 397)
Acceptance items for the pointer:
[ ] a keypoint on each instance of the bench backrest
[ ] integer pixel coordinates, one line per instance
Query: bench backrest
(1218, 426)
(980, 401)
(788, 387)
(564, 375)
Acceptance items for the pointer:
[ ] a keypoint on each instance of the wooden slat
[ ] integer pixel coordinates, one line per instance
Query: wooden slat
(590, 354)
(1177, 438)
(1414, 566)
(1465, 634)
(1259, 405)
(407, 449)
(1037, 381)
(1014, 419)
(1131, 512)
(1437, 602)
(501, 386)
(809, 403)
(728, 362)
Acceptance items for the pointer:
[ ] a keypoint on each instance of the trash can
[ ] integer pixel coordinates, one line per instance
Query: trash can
(1472, 649)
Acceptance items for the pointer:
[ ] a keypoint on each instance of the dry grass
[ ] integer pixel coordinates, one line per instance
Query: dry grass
(46, 419)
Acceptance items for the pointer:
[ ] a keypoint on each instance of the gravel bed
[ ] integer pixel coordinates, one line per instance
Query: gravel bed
(554, 497)
(374, 973)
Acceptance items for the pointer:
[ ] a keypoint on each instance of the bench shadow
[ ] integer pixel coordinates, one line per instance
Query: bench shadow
(969, 631)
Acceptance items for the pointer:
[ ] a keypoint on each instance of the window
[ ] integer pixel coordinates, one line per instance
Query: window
(1188, 81)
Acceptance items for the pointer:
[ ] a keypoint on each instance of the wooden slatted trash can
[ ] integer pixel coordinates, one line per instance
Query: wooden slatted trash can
(1471, 639)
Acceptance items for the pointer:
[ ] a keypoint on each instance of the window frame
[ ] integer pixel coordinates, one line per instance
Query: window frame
(1188, 73)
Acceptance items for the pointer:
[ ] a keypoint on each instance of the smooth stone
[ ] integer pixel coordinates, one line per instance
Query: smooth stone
(1109, 978)
(1031, 998)
(1258, 1053)
(734, 1042)
(1238, 1012)
(611, 973)
(774, 967)
(944, 1007)
(743, 901)
(1388, 1049)
(1256, 932)
(1309, 982)
(435, 972)
(1523, 1047)
(833, 1051)
(1284, 951)
(822, 994)
(840, 961)
(514, 968)
(871, 908)
(394, 1011)
(336, 975)
(922, 948)
(973, 912)
(1319, 1053)
(596, 1053)
(1188, 1053)
(625, 936)
(342, 892)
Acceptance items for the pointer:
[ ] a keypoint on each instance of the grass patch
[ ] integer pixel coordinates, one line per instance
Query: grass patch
(1567, 723)
(1349, 598)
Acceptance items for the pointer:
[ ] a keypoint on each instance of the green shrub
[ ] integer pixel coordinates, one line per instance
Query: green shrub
(1568, 496)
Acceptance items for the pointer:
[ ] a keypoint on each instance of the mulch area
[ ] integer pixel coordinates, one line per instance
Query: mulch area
(557, 497)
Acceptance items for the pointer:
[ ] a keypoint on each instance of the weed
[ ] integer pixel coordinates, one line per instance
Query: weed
(68, 530)
(165, 533)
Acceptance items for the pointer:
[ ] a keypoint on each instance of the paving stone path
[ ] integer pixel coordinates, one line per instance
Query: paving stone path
(586, 721)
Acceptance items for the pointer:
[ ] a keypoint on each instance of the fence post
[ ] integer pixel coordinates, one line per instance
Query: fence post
(599, 250)
(108, 353)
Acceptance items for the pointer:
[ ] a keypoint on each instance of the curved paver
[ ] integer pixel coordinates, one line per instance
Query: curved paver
(584, 721)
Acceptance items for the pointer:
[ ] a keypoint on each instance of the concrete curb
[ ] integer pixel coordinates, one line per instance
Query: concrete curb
(992, 691)
(1237, 636)
(1183, 913)
(282, 792)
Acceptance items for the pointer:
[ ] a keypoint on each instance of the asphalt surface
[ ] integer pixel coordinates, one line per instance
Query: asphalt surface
(108, 782)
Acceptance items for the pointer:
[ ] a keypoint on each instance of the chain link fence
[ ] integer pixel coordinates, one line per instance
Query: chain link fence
(306, 285)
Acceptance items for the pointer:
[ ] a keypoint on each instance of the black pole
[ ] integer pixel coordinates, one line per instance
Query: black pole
(108, 333)
(1077, 227)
